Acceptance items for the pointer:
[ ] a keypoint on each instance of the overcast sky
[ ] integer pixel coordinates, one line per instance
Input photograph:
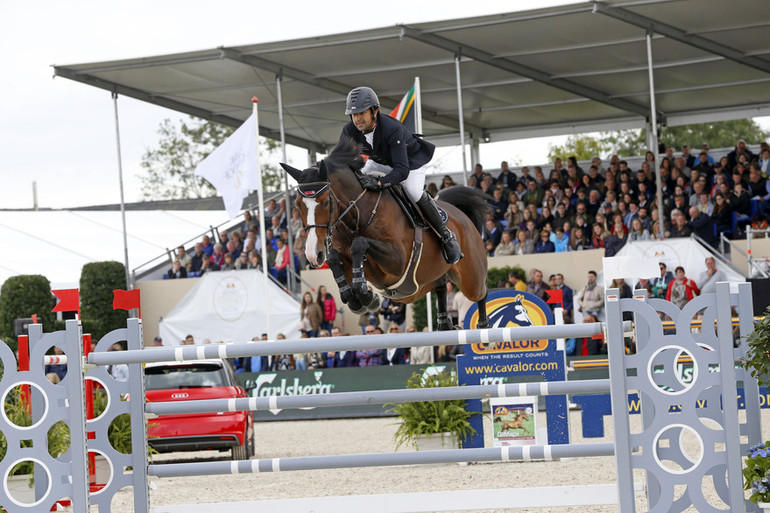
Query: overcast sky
(61, 134)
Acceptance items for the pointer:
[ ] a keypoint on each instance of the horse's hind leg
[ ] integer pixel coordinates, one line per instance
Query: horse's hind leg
(346, 293)
(483, 322)
(366, 297)
(444, 323)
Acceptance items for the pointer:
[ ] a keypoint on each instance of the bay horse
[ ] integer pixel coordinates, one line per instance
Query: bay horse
(364, 235)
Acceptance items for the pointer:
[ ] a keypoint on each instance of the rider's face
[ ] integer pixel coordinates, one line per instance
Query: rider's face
(363, 120)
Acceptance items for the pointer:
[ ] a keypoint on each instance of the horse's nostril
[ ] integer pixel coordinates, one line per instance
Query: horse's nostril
(321, 256)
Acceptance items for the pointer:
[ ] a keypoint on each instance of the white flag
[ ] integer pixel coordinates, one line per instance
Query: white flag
(232, 167)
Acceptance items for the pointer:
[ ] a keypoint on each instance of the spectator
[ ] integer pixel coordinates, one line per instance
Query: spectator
(680, 227)
(157, 342)
(394, 355)
(740, 149)
(682, 289)
(255, 261)
(514, 216)
(462, 304)
(588, 345)
(498, 203)
(207, 266)
(419, 355)
(196, 261)
(560, 241)
(183, 258)
(493, 232)
(544, 245)
(393, 311)
(311, 315)
(566, 296)
(176, 271)
(660, 283)
(597, 237)
(700, 224)
(537, 286)
(591, 297)
(218, 257)
(506, 246)
(722, 216)
(516, 282)
(59, 369)
(578, 240)
(507, 177)
(523, 245)
(447, 182)
(229, 264)
(243, 261)
(119, 371)
(282, 361)
(710, 277)
(371, 357)
(638, 232)
(328, 307)
(206, 245)
(279, 269)
(534, 194)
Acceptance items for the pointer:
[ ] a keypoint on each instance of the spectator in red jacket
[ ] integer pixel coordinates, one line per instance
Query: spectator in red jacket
(329, 307)
(682, 289)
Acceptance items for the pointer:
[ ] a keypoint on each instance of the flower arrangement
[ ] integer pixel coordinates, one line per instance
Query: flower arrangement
(756, 473)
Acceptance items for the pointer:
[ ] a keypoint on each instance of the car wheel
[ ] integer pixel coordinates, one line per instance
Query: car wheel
(241, 452)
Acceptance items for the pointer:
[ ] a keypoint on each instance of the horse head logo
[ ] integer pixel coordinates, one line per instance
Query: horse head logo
(513, 314)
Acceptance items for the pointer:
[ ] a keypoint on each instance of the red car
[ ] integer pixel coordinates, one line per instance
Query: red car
(188, 381)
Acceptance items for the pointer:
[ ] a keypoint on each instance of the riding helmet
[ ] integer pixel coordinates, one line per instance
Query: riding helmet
(360, 99)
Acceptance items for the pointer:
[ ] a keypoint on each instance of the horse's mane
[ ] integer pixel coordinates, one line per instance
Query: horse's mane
(346, 154)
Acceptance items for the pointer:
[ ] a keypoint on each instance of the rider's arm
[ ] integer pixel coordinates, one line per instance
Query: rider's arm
(395, 143)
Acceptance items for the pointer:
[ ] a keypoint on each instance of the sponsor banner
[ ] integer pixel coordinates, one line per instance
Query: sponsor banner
(514, 421)
(329, 381)
(515, 362)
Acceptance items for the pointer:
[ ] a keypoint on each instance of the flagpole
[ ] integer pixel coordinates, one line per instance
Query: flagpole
(260, 195)
(129, 285)
(286, 199)
(418, 129)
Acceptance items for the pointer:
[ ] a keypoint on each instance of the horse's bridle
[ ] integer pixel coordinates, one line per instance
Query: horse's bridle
(314, 189)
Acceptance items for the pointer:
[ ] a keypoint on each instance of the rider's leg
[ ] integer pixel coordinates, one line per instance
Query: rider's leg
(413, 186)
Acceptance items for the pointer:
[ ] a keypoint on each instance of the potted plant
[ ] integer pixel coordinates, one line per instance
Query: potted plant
(444, 421)
(756, 471)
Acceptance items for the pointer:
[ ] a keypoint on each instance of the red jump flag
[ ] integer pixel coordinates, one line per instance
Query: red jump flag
(554, 296)
(69, 300)
(126, 300)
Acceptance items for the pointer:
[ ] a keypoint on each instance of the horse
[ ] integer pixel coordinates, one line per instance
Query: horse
(364, 235)
(516, 423)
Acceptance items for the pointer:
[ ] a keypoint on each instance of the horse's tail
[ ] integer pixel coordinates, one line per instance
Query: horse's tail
(470, 201)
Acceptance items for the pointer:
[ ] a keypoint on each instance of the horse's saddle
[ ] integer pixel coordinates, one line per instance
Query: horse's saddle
(411, 210)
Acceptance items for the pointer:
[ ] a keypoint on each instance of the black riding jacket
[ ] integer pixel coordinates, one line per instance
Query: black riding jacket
(393, 145)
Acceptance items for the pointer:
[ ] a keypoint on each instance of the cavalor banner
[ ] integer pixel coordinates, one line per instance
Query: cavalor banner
(232, 167)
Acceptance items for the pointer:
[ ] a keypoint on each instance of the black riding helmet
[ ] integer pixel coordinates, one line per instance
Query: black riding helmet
(361, 99)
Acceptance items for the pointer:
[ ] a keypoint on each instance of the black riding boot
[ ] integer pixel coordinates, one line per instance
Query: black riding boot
(450, 247)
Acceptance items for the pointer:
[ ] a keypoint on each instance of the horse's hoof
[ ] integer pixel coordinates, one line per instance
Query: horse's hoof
(374, 304)
(482, 326)
(359, 310)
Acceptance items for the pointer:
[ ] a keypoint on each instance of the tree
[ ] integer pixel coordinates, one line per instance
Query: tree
(723, 134)
(171, 165)
(583, 147)
(22, 296)
(97, 281)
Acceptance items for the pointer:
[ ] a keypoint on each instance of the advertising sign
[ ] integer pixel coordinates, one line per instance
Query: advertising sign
(514, 421)
(515, 361)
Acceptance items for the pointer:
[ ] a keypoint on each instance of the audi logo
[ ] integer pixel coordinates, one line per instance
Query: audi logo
(180, 395)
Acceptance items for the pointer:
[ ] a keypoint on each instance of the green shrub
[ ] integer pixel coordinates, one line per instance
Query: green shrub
(428, 418)
(97, 281)
(497, 274)
(22, 296)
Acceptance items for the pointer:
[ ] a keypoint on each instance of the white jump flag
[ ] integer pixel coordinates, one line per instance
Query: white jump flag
(232, 167)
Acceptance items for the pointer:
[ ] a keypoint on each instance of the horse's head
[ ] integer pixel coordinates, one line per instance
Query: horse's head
(315, 208)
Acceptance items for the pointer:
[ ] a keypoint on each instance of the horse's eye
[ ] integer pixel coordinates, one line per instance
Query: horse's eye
(325, 203)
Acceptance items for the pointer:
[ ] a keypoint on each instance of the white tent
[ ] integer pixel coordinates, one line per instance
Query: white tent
(231, 306)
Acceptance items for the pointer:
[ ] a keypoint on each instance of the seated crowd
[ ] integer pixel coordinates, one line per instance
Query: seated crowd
(242, 248)
(605, 206)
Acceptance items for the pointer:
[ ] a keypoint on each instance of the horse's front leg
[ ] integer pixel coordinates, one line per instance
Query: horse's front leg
(365, 296)
(346, 293)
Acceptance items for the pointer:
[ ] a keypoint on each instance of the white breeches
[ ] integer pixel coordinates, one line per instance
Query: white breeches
(413, 185)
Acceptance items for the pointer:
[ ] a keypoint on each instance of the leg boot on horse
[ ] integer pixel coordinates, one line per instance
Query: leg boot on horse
(366, 297)
(346, 293)
(450, 247)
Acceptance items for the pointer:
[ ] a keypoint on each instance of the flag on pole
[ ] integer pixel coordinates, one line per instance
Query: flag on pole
(404, 111)
(126, 300)
(69, 300)
(232, 167)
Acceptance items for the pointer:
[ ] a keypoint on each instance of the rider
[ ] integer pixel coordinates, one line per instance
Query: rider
(395, 155)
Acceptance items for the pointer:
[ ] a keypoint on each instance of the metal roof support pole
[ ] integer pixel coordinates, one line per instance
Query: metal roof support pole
(653, 138)
(475, 154)
(461, 116)
(287, 213)
(122, 202)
